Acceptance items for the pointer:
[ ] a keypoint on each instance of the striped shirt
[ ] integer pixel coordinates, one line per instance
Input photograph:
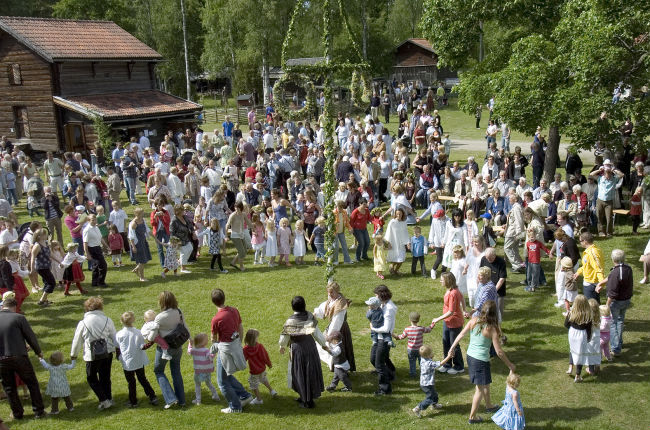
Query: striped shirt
(485, 292)
(203, 360)
(415, 335)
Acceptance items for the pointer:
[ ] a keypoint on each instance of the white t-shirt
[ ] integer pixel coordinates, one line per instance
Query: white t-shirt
(269, 143)
(92, 236)
(117, 218)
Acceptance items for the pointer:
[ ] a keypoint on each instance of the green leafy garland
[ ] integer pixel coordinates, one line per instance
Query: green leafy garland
(279, 89)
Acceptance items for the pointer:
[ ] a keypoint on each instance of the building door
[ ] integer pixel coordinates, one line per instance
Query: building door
(75, 140)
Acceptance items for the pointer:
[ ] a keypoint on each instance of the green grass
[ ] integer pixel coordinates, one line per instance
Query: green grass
(537, 344)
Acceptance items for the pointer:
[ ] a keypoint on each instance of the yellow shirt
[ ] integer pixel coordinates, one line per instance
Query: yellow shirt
(592, 265)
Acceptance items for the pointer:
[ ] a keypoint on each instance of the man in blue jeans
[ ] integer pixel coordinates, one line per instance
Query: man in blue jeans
(227, 330)
(619, 292)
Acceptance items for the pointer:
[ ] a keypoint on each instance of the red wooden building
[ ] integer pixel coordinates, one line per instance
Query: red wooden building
(415, 60)
(56, 75)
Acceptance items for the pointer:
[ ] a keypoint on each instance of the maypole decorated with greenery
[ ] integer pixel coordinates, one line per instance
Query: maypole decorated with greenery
(305, 75)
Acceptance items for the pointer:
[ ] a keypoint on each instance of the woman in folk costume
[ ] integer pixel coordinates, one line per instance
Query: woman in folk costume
(335, 309)
(300, 333)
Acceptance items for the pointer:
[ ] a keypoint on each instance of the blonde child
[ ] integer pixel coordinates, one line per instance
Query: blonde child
(511, 415)
(579, 321)
(271, 241)
(594, 356)
(299, 246)
(206, 189)
(418, 246)
(58, 386)
(284, 241)
(133, 359)
(339, 362)
(458, 265)
(215, 240)
(257, 239)
(203, 362)
(318, 239)
(605, 327)
(102, 223)
(57, 270)
(471, 226)
(149, 327)
(20, 289)
(270, 214)
(171, 256)
(380, 255)
(258, 360)
(116, 245)
(534, 251)
(567, 284)
(73, 271)
(199, 218)
(415, 335)
(32, 204)
(427, 380)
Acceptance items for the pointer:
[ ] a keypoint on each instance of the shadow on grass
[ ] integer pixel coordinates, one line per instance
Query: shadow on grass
(540, 418)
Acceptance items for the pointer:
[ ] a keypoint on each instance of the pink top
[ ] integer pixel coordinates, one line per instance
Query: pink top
(71, 223)
(284, 240)
(257, 237)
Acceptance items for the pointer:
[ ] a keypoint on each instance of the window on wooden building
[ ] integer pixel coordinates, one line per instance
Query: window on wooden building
(15, 77)
(21, 122)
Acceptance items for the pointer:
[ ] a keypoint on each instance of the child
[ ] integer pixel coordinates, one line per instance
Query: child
(57, 270)
(380, 255)
(130, 342)
(149, 327)
(605, 326)
(511, 415)
(214, 244)
(58, 385)
(534, 249)
(415, 335)
(73, 271)
(579, 322)
(206, 190)
(271, 241)
(593, 350)
(437, 239)
(257, 239)
(635, 209)
(318, 239)
(102, 223)
(418, 245)
(471, 226)
(427, 380)
(377, 221)
(299, 247)
(487, 231)
(171, 256)
(20, 289)
(568, 284)
(116, 245)
(203, 362)
(375, 316)
(340, 363)
(458, 265)
(33, 205)
(284, 241)
(258, 360)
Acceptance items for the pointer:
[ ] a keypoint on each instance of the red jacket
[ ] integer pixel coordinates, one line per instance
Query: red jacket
(635, 205)
(257, 358)
(359, 220)
(166, 220)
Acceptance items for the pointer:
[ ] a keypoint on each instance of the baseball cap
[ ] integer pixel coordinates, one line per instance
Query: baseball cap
(486, 215)
(373, 301)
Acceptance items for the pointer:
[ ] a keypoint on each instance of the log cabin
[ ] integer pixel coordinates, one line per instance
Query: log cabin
(56, 75)
(415, 60)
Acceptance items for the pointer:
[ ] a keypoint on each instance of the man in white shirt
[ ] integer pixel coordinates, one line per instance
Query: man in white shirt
(118, 218)
(380, 352)
(267, 139)
(213, 174)
(523, 187)
(92, 239)
(143, 141)
(54, 172)
(491, 133)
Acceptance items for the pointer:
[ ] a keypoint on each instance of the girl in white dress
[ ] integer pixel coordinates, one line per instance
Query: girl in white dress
(472, 264)
(398, 236)
(271, 242)
(58, 386)
(455, 234)
(458, 265)
(471, 227)
(299, 246)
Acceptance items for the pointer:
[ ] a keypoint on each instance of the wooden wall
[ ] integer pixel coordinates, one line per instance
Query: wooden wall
(35, 93)
(78, 78)
(410, 54)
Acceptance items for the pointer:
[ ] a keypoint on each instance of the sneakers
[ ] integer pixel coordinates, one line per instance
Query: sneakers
(163, 274)
(257, 402)
(169, 405)
(196, 401)
(558, 305)
(224, 271)
(246, 401)
(274, 393)
(437, 406)
(185, 271)
(416, 411)
(230, 411)
(166, 355)
(104, 405)
(443, 369)
(153, 401)
(453, 371)
(330, 389)
(346, 390)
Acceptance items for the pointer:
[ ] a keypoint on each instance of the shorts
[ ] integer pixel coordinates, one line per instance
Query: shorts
(202, 377)
(256, 380)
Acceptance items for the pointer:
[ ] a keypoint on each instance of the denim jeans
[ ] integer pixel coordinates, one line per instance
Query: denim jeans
(320, 250)
(589, 291)
(162, 236)
(532, 275)
(449, 335)
(340, 239)
(178, 392)
(363, 240)
(130, 188)
(430, 399)
(618, 308)
(414, 356)
(230, 387)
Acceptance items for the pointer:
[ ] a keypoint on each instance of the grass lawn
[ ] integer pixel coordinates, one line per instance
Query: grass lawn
(537, 344)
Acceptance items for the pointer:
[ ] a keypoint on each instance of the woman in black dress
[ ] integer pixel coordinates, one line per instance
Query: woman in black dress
(300, 333)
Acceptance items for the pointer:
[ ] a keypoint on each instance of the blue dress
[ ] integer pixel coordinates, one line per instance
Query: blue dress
(141, 253)
(507, 417)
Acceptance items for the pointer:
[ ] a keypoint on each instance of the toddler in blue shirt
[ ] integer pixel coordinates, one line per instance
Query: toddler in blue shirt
(418, 246)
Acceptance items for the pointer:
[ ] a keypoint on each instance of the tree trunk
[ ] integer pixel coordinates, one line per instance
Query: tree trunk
(364, 32)
(187, 62)
(265, 80)
(552, 154)
(481, 48)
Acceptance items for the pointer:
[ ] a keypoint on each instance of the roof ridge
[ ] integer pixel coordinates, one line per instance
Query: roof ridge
(104, 21)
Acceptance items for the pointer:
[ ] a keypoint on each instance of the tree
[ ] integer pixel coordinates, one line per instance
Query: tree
(555, 64)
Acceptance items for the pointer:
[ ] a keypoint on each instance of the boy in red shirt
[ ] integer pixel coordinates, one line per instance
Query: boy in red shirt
(534, 248)
(258, 359)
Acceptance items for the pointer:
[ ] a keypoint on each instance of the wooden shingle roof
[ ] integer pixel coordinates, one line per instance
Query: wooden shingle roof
(68, 39)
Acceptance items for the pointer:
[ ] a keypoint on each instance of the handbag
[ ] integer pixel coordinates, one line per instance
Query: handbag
(179, 335)
(99, 346)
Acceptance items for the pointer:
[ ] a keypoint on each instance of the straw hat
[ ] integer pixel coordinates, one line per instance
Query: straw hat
(566, 263)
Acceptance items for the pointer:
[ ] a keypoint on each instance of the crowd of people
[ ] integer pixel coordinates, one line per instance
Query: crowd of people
(263, 193)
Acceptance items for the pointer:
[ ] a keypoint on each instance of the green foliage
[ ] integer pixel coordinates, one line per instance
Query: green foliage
(39, 8)
(104, 134)
(119, 11)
